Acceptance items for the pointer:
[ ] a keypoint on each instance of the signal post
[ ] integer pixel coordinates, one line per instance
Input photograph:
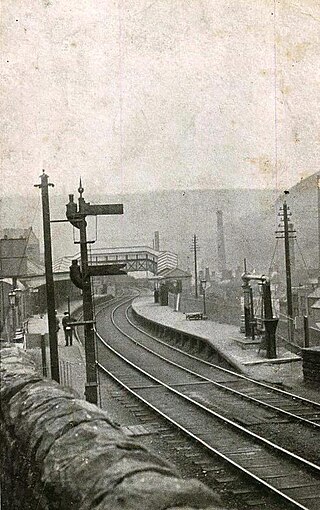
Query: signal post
(81, 277)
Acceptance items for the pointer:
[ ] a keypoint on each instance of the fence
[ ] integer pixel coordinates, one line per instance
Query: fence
(295, 335)
(219, 309)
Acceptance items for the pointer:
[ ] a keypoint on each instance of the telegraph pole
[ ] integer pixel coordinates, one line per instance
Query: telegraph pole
(51, 307)
(195, 246)
(287, 260)
(287, 235)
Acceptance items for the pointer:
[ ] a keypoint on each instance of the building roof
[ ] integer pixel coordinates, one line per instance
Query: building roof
(313, 280)
(122, 249)
(9, 281)
(18, 233)
(171, 274)
(316, 305)
(315, 293)
(34, 268)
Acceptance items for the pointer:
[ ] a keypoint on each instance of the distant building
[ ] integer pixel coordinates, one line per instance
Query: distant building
(313, 298)
(166, 260)
(221, 249)
(19, 256)
(13, 258)
(303, 202)
(315, 311)
(32, 242)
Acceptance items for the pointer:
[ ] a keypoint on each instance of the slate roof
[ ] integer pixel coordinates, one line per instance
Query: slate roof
(315, 293)
(316, 305)
(171, 274)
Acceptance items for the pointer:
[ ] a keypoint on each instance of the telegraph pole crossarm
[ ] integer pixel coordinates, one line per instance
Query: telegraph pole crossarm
(52, 326)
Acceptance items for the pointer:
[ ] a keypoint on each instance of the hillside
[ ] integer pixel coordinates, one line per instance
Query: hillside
(248, 222)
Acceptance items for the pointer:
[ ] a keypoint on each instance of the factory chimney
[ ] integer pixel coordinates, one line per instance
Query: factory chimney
(220, 244)
(156, 240)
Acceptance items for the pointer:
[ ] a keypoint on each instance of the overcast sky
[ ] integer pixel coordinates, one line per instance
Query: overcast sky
(138, 95)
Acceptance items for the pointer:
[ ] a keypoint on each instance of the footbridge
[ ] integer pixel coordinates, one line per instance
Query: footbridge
(136, 259)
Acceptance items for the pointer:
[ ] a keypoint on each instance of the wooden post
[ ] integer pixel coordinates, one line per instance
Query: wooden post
(306, 331)
(44, 356)
(53, 339)
(288, 272)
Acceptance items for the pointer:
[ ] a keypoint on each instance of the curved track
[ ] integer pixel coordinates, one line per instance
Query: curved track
(289, 405)
(186, 397)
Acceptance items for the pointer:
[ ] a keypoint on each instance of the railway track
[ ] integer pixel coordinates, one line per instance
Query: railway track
(291, 406)
(187, 399)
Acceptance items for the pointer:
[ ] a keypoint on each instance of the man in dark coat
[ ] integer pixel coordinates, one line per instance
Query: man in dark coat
(67, 328)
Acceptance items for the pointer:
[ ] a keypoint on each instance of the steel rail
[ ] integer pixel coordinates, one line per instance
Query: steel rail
(241, 376)
(198, 404)
(286, 394)
(268, 444)
(232, 391)
(283, 450)
(103, 306)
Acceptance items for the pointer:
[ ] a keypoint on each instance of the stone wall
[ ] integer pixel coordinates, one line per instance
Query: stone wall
(221, 309)
(60, 452)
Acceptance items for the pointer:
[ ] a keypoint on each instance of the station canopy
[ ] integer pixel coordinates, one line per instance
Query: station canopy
(171, 274)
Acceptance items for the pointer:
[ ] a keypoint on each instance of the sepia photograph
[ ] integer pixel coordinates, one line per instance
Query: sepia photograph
(160, 255)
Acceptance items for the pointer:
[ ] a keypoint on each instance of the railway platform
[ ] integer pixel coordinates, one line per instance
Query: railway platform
(284, 371)
(71, 358)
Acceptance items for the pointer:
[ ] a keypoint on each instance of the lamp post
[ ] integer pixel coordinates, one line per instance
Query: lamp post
(12, 303)
(203, 288)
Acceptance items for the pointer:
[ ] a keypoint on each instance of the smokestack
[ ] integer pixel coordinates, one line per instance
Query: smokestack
(220, 244)
(156, 240)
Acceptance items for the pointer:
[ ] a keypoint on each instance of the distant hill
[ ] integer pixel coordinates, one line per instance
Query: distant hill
(249, 223)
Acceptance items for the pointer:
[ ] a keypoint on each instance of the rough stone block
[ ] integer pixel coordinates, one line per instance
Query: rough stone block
(60, 452)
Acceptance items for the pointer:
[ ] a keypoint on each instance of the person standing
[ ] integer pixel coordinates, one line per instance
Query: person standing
(67, 328)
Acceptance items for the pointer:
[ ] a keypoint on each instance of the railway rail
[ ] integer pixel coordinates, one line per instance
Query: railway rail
(186, 396)
(289, 405)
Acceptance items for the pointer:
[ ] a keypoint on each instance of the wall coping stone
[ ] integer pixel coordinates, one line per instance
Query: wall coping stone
(66, 453)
